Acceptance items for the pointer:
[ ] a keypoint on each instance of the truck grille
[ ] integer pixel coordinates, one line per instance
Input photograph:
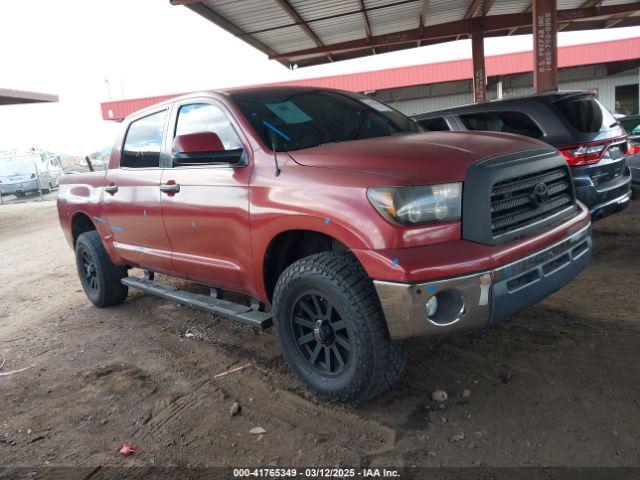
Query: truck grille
(519, 202)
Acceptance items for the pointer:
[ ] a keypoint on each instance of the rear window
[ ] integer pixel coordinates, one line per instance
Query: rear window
(437, 124)
(586, 114)
(505, 122)
(631, 125)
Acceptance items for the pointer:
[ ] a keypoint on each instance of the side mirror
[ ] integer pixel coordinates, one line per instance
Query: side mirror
(203, 148)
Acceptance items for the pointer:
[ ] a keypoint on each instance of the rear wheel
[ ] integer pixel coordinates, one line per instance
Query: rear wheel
(100, 278)
(332, 330)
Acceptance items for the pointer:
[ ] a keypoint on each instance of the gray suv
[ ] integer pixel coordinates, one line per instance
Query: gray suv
(588, 135)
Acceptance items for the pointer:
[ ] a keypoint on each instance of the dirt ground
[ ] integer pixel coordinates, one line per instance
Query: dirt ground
(556, 385)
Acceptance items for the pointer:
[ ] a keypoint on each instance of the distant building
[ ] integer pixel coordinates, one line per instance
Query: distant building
(611, 68)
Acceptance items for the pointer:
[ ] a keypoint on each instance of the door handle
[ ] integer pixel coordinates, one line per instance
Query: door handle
(111, 189)
(170, 188)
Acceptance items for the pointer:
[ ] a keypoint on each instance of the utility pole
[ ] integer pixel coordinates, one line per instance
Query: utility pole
(35, 164)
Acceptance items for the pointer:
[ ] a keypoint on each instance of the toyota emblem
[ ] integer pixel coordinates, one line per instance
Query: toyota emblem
(540, 194)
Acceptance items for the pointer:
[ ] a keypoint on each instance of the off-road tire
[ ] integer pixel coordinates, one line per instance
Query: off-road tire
(375, 362)
(108, 289)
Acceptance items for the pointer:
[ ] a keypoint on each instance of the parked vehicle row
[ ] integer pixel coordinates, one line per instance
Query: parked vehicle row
(591, 139)
(25, 172)
(358, 228)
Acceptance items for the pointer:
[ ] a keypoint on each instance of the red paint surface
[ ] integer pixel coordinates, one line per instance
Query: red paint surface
(218, 228)
(197, 142)
(518, 62)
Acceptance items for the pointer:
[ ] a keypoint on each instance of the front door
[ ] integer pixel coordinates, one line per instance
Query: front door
(207, 220)
(132, 197)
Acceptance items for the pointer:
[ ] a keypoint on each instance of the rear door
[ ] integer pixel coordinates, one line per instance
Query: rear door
(207, 220)
(132, 196)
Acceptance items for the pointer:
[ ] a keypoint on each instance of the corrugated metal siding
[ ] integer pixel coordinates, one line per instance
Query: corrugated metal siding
(460, 93)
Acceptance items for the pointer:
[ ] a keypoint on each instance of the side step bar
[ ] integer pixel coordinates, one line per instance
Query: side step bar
(208, 303)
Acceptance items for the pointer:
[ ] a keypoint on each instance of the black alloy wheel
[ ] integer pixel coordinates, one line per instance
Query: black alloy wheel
(321, 334)
(90, 278)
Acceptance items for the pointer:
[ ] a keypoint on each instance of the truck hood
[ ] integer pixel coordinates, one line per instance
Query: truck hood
(415, 159)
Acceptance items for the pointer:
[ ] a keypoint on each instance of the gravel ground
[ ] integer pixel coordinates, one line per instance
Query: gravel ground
(556, 385)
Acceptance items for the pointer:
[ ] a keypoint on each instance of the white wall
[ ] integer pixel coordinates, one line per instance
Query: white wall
(424, 98)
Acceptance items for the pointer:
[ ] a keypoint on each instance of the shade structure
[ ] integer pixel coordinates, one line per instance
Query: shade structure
(311, 32)
(13, 97)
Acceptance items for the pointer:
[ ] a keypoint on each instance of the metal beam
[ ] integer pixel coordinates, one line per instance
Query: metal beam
(460, 27)
(338, 15)
(473, 8)
(424, 12)
(616, 19)
(587, 4)
(545, 45)
(471, 11)
(487, 5)
(527, 10)
(367, 24)
(423, 17)
(222, 22)
(479, 68)
(365, 19)
(299, 21)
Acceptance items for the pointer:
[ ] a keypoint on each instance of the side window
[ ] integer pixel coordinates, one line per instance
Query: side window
(437, 124)
(142, 143)
(507, 122)
(204, 117)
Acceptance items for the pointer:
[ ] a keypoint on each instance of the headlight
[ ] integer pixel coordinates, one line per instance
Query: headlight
(418, 205)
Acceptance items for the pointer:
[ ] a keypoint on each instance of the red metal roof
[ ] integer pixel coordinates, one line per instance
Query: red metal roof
(512, 63)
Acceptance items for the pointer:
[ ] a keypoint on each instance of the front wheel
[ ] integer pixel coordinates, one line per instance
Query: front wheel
(100, 278)
(332, 330)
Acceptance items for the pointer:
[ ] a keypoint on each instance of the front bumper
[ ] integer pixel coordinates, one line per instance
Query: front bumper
(475, 301)
(633, 162)
(11, 188)
(610, 195)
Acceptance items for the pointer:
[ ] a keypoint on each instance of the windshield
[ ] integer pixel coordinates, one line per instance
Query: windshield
(10, 166)
(292, 119)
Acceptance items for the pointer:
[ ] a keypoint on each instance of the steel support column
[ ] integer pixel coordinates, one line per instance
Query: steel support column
(545, 45)
(479, 68)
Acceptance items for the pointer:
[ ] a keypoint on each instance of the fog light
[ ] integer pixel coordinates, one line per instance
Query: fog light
(432, 306)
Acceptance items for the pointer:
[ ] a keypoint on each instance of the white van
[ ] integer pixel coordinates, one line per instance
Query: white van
(24, 172)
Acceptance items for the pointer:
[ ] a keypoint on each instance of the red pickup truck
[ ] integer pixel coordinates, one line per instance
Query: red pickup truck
(356, 227)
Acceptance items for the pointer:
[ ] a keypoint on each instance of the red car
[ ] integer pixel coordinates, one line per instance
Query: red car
(357, 227)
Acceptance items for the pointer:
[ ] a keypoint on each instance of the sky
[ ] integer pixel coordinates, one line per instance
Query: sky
(90, 51)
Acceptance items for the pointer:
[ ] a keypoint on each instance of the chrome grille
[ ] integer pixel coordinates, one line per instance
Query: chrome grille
(514, 204)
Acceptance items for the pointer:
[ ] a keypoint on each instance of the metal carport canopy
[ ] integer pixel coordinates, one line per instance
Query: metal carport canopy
(311, 32)
(13, 97)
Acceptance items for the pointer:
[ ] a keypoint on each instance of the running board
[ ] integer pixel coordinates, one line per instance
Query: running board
(235, 311)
